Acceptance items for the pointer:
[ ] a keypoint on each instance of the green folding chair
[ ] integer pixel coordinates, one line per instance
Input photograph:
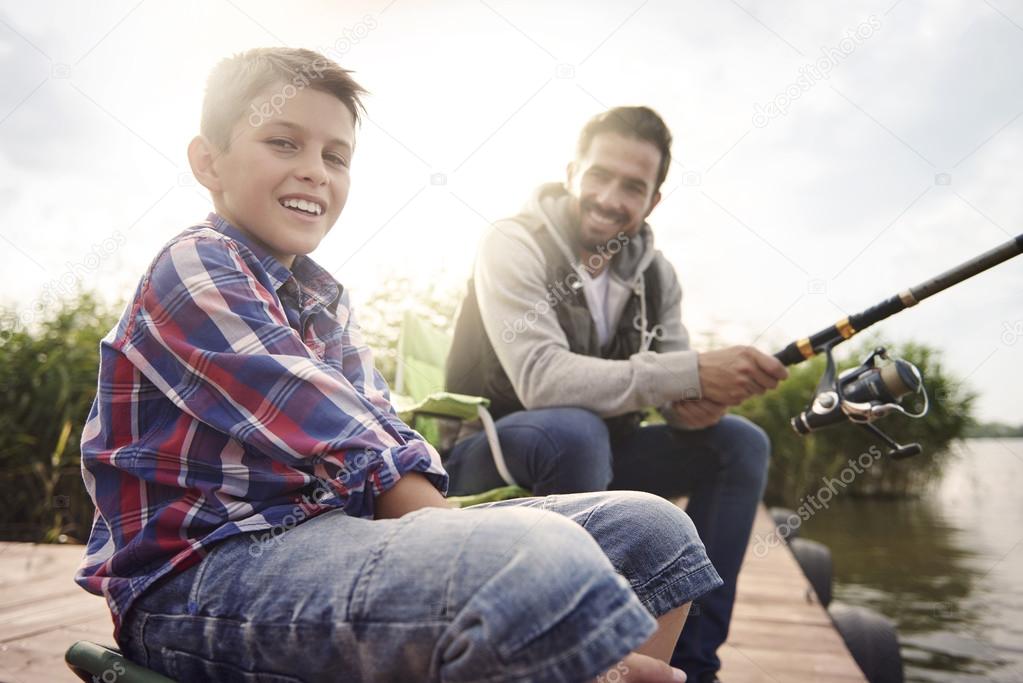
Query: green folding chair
(420, 400)
(94, 662)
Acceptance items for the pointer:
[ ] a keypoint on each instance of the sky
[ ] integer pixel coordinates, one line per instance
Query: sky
(827, 154)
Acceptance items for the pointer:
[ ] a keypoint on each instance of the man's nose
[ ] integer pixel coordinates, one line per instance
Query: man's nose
(607, 197)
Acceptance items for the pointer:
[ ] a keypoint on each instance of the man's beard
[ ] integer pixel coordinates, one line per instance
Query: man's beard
(594, 241)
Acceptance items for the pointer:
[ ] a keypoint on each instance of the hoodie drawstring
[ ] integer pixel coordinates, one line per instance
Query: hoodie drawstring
(646, 337)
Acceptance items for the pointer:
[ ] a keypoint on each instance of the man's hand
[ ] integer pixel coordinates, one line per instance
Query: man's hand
(730, 376)
(412, 492)
(699, 414)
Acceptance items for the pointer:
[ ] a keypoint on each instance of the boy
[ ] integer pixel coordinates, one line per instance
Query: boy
(263, 514)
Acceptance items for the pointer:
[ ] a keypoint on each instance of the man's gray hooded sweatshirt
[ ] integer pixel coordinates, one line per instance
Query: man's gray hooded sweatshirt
(525, 337)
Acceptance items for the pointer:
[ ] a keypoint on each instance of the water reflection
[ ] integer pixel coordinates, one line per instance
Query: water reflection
(947, 567)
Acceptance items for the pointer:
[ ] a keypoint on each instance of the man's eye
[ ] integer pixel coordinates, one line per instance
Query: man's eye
(282, 143)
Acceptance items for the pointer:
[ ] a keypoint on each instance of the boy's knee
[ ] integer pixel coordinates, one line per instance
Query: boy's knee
(639, 520)
(545, 594)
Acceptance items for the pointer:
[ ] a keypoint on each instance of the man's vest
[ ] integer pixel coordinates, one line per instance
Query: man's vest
(473, 367)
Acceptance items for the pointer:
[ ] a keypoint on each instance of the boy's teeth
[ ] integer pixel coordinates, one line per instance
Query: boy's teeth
(303, 205)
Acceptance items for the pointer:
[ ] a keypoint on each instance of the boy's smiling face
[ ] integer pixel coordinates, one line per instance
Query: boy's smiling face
(283, 182)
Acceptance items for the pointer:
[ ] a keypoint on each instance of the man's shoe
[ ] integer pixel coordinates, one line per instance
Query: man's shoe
(709, 677)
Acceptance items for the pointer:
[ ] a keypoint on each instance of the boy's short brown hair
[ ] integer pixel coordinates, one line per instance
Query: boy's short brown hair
(235, 82)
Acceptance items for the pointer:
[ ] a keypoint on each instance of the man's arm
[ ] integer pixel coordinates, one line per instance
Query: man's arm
(727, 376)
(519, 317)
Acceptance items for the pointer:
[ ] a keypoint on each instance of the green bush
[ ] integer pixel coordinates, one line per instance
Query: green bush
(47, 383)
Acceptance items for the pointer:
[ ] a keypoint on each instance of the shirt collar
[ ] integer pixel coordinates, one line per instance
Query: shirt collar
(312, 278)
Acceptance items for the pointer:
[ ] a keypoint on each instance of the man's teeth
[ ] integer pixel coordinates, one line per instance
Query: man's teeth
(303, 205)
(603, 220)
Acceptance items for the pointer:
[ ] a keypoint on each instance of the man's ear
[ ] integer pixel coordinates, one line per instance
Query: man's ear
(654, 201)
(569, 173)
(201, 156)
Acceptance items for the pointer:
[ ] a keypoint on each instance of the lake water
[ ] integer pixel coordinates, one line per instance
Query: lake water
(947, 567)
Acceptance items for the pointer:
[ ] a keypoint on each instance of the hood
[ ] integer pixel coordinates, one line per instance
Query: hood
(550, 205)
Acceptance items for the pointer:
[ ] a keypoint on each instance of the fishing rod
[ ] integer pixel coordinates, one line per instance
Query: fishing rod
(863, 394)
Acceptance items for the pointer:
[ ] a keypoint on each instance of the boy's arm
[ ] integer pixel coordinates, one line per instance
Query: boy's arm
(412, 493)
(210, 336)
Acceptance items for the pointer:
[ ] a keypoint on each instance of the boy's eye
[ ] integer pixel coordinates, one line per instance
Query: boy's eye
(281, 143)
(336, 160)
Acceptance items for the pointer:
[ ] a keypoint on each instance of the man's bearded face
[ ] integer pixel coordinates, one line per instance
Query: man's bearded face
(613, 187)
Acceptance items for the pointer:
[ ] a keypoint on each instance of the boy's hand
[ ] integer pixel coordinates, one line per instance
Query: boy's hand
(412, 492)
(637, 668)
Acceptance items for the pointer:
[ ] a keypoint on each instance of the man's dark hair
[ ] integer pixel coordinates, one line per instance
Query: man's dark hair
(642, 123)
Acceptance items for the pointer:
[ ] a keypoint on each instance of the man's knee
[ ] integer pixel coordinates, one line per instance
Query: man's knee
(748, 449)
(578, 452)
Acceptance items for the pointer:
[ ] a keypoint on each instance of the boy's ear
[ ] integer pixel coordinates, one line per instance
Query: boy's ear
(201, 156)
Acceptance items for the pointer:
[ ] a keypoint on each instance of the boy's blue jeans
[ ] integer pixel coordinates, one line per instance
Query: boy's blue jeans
(723, 470)
(509, 591)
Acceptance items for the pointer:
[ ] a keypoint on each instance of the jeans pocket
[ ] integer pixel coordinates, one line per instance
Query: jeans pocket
(184, 667)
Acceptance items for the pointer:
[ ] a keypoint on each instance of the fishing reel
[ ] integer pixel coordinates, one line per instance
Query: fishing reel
(864, 394)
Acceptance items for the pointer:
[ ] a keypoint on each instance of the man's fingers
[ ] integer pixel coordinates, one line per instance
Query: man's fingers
(760, 381)
(771, 365)
(700, 414)
(696, 409)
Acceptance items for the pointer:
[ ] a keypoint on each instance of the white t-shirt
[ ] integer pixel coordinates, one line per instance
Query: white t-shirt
(595, 289)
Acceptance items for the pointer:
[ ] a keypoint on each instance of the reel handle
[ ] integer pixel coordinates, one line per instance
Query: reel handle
(907, 451)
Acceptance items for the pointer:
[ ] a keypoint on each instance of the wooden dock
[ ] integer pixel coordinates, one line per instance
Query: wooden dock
(780, 634)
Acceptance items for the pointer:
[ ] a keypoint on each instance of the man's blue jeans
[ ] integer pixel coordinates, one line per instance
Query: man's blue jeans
(723, 470)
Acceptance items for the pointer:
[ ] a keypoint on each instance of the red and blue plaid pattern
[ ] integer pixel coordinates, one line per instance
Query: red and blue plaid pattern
(234, 395)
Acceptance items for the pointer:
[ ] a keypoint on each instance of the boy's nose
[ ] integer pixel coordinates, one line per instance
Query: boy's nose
(313, 171)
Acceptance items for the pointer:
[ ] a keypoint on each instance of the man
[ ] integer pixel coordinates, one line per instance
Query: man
(572, 327)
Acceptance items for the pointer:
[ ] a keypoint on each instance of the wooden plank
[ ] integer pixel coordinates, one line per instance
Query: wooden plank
(780, 632)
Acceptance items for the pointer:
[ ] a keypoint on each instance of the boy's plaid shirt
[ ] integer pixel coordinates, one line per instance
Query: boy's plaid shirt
(234, 395)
